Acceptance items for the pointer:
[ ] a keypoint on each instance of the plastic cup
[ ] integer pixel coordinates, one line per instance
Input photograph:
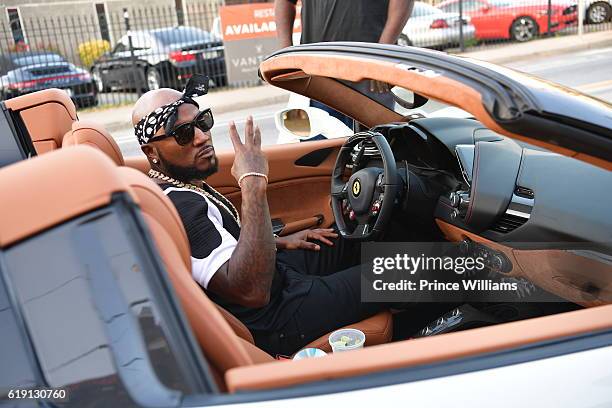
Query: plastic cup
(309, 353)
(356, 339)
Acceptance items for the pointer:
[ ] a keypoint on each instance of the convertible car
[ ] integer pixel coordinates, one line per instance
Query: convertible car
(97, 303)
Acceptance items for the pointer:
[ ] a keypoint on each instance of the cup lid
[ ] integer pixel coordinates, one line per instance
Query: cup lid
(347, 338)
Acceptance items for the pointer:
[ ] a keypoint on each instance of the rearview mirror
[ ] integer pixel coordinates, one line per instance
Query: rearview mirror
(297, 122)
(406, 98)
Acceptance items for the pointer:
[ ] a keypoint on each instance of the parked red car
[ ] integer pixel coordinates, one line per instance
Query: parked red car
(517, 20)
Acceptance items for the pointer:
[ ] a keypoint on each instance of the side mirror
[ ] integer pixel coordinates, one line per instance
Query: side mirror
(485, 9)
(308, 123)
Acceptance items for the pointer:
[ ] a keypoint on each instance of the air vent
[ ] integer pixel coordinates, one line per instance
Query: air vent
(370, 150)
(524, 192)
(508, 223)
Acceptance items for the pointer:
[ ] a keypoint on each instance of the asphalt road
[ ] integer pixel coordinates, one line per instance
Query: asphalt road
(113, 98)
(587, 71)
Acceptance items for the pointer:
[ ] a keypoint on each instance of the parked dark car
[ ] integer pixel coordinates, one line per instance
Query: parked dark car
(165, 57)
(30, 71)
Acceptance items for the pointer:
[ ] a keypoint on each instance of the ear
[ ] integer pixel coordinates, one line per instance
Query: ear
(151, 153)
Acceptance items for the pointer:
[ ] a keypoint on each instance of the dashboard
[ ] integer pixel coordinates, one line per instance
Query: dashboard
(504, 190)
(535, 213)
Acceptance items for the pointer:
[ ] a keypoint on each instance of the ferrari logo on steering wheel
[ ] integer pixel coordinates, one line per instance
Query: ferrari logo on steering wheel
(356, 187)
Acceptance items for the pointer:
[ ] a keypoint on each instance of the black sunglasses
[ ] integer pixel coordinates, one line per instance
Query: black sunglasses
(185, 132)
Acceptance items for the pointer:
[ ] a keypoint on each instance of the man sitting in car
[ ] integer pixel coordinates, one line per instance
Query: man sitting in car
(287, 290)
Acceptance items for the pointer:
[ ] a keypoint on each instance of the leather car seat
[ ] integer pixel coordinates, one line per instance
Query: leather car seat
(159, 209)
(378, 328)
(94, 135)
(222, 347)
(47, 115)
(91, 134)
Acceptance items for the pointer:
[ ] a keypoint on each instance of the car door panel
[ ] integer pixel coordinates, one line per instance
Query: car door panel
(299, 186)
(298, 195)
(299, 204)
(415, 352)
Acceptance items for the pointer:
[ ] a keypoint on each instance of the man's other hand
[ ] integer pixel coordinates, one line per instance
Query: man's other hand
(300, 239)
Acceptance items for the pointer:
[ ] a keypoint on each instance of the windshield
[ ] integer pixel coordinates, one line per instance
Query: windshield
(424, 9)
(36, 59)
(182, 35)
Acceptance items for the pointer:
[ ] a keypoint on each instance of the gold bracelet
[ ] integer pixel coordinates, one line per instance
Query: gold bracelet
(251, 173)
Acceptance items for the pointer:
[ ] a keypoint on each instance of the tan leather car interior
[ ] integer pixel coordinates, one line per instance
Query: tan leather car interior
(378, 328)
(171, 238)
(77, 179)
(574, 277)
(219, 343)
(155, 204)
(298, 195)
(91, 134)
(236, 362)
(47, 116)
(410, 353)
(26, 186)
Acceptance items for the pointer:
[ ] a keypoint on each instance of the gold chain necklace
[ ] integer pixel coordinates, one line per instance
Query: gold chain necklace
(227, 204)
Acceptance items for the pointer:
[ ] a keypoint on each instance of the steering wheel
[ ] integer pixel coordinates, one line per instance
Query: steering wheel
(367, 199)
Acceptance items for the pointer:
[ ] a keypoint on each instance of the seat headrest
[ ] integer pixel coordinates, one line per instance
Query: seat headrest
(154, 202)
(91, 134)
(49, 189)
(47, 115)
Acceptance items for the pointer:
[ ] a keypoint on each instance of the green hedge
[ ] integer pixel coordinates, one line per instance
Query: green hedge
(92, 50)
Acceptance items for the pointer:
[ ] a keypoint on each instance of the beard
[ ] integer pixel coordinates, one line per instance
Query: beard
(185, 173)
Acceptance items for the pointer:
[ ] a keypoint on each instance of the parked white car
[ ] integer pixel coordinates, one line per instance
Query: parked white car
(429, 26)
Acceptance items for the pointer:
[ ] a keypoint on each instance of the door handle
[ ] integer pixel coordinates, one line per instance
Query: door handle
(300, 225)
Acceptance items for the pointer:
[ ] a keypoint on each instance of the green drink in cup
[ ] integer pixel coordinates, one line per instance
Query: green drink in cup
(346, 339)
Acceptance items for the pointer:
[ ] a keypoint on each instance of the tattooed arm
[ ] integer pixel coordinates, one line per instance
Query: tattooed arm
(246, 278)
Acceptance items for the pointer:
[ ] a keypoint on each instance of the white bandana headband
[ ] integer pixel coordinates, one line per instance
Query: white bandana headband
(165, 116)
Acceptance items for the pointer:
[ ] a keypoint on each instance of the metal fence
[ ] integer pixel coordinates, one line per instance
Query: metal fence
(97, 62)
(463, 24)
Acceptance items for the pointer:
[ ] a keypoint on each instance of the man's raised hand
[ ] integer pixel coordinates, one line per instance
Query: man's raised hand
(248, 155)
